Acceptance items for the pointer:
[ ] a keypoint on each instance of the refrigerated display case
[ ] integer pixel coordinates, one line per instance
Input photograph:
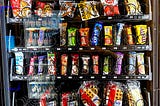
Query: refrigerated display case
(80, 53)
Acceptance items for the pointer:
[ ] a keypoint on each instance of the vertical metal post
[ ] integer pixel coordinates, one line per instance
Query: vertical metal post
(5, 68)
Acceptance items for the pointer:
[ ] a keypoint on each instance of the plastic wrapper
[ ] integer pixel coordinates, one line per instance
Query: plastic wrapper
(41, 37)
(84, 36)
(85, 68)
(67, 8)
(63, 31)
(72, 36)
(89, 93)
(119, 33)
(134, 95)
(75, 64)
(113, 94)
(44, 9)
(41, 64)
(108, 35)
(88, 10)
(96, 34)
(133, 7)
(19, 57)
(106, 66)
(64, 63)
(51, 63)
(118, 68)
(141, 33)
(132, 63)
(32, 65)
(95, 59)
(129, 35)
(140, 63)
(16, 8)
(29, 39)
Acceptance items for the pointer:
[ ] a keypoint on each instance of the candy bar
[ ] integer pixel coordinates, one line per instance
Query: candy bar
(118, 68)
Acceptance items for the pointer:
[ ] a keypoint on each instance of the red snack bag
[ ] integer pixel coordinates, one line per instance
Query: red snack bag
(64, 62)
(95, 64)
(84, 36)
(16, 8)
(75, 64)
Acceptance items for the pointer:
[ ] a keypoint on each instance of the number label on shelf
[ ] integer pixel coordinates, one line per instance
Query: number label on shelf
(69, 77)
(92, 48)
(69, 48)
(80, 48)
(115, 48)
(104, 48)
(81, 77)
(92, 77)
(103, 77)
(58, 48)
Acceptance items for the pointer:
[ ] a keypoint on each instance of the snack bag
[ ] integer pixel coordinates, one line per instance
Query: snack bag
(19, 57)
(118, 68)
(95, 59)
(119, 33)
(106, 66)
(132, 63)
(63, 31)
(41, 64)
(51, 63)
(140, 63)
(75, 64)
(25, 7)
(32, 67)
(85, 69)
(84, 36)
(64, 63)
(67, 8)
(88, 10)
(108, 35)
(128, 33)
(72, 36)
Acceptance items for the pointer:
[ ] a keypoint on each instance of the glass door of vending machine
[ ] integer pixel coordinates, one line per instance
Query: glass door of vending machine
(79, 52)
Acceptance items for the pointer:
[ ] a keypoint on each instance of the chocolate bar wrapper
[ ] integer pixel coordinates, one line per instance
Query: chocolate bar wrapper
(129, 35)
(25, 8)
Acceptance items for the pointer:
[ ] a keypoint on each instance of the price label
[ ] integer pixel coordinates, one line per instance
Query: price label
(69, 48)
(110, 18)
(80, 77)
(104, 48)
(58, 48)
(115, 77)
(103, 77)
(58, 77)
(69, 77)
(92, 48)
(115, 48)
(80, 48)
(92, 77)
(47, 49)
(124, 48)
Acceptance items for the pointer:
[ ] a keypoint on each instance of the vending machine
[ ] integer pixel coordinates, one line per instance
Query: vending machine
(79, 52)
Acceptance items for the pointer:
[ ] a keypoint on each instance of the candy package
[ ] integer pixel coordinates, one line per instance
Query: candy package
(119, 33)
(85, 68)
(75, 64)
(67, 8)
(108, 35)
(118, 68)
(132, 63)
(96, 34)
(110, 7)
(134, 95)
(64, 63)
(89, 93)
(41, 37)
(133, 7)
(106, 65)
(72, 36)
(41, 67)
(51, 63)
(129, 35)
(19, 57)
(88, 10)
(95, 59)
(32, 65)
(140, 63)
(84, 36)
(63, 31)
(141, 34)
(113, 94)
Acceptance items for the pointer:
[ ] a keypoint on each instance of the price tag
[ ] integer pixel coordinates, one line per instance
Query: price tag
(69, 48)
(24, 49)
(80, 48)
(92, 48)
(35, 49)
(92, 77)
(69, 77)
(124, 48)
(131, 17)
(58, 77)
(115, 48)
(127, 77)
(110, 18)
(104, 48)
(20, 49)
(103, 77)
(115, 77)
(58, 48)
(80, 77)
(47, 49)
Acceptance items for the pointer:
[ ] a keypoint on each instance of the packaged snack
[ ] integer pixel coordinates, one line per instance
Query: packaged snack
(88, 10)
(67, 8)
(51, 63)
(95, 59)
(141, 33)
(133, 7)
(134, 95)
(113, 94)
(119, 33)
(129, 36)
(75, 64)
(31, 66)
(25, 7)
(16, 8)
(118, 68)
(29, 40)
(108, 35)
(132, 63)
(72, 36)
(41, 37)
(35, 38)
(19, 56)
(41, 64)
(63, 38)
(85, 69)
(106, 67)
(96, 34)
(140, 63)
(64, 63)
(84, 36)
(46, 38)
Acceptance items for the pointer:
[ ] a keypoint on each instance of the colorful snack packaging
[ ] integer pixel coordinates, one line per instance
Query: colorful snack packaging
(96, 34)
(29, 40)
(41, 64)
(140, 63)
(72, 36)
(118, 68)
(75, 64)
(19, 56)
(35, 38)
(95, 59)
(32, 67)
(134, 95)
(25, 7)
(108, 35)
(113, 94)
(67, 8)
(132, 63)
(119, 33)
(133, 7)
(41, 37)
(63, 38)
(141, 33)
(106, 67)
(85, 68)
(84, 36)
(64, 63)
(88, 10)
(16, 8)
(128, 32)
(51, 57)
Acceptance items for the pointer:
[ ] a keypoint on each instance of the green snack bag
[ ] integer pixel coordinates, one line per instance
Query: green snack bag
(106, 68)
(72, 36)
